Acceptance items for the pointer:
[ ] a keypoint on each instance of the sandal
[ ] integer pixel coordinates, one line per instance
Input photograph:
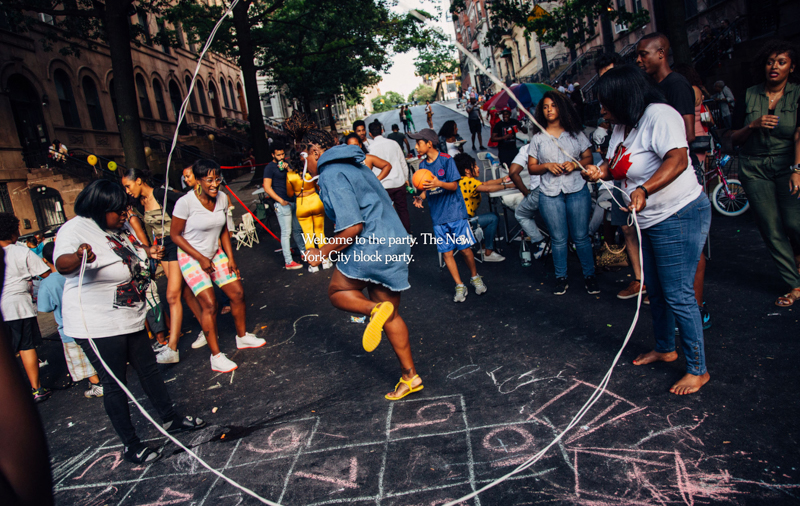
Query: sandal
(410, 390)
(788, 299)
(372, 334)
(225, 310)
(140, 454)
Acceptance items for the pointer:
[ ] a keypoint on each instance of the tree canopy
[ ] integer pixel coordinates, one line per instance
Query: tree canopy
(387, 102)
(422, 93)
(435, 60)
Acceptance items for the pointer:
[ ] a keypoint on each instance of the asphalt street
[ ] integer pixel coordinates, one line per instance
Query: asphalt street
(304, 421)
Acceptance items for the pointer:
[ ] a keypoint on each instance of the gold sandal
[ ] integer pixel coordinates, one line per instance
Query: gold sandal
(372, 334)
(788, 299)
(410, 390)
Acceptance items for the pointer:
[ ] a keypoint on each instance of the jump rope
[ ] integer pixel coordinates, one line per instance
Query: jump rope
(596, 394)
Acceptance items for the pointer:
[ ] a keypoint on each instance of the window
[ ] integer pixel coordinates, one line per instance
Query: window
(591, 30)
(93, 103)
(202, 94)
(224, 93)
(268, 111)
(161, 107)
(192, 101)
(179, 36)
(5, 199)
(113, 93)
(691, 7)
(145, 27)
(637, 5)
(619, 27)
(162, 36)
(144, 100)
(66, 99)
(233, 97)
(528, 46)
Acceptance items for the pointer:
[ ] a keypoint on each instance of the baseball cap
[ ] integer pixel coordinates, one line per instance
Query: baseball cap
(426, 134)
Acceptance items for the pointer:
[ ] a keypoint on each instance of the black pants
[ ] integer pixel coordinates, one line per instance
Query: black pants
(117, 351)
(399, 199)
(507, 156)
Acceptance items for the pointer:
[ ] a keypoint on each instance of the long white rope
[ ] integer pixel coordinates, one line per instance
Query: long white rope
(141, 408)
(184, 105)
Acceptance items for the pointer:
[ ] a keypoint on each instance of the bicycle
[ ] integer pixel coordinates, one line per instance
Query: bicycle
(728, 196)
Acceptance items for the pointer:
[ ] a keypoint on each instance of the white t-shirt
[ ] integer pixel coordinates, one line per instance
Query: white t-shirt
(389, 150)
(114, 286)
(660, 130)
(533, 181)
(203, 227)
(22, 265)
(452, 149)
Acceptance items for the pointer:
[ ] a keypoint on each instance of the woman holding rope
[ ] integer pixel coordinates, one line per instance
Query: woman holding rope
(138, 184)
(205, 256)
(650, 156)
(109, 308)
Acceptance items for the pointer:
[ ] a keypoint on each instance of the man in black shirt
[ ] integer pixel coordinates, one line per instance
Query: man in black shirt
(399, 138)
(651, 55)
(652, 52)
(275, 186)
(504, 133)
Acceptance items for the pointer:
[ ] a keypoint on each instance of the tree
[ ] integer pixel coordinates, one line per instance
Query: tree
(313, 49)
(422, 93)
(81, 24)
(387, 102)
(436, 60)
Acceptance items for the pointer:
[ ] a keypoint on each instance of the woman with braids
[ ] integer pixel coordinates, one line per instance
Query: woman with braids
(139, 185)
(366, 226)
(767, 126)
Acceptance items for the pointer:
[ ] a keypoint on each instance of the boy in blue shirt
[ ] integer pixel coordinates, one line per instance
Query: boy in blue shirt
(448, 211)
(50, 292)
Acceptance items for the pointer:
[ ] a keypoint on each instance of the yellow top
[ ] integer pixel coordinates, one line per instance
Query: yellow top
(472, 197)
(295, 184)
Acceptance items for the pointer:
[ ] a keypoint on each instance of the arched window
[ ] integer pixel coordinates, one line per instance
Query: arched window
(158, 93)
(192, 101)
(201, 92)
(144, 100)
(224, 92)
(113, 94)
(93, 103)
(66, 99)
(233, 97)
(176, 100)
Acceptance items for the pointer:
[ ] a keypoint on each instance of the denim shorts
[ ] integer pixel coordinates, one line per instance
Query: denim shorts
(453, 235)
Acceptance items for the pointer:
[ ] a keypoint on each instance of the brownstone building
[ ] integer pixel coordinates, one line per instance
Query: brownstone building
(45, 95)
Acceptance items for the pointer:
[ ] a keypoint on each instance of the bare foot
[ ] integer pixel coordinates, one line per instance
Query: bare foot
(402, 389)
(654, 356)
(689, 384)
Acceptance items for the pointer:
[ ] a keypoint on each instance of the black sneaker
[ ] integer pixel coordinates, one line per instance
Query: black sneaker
(184, 424)
(706, 317)
(591, 285)
(41, 395)
(561, 286)
(140, 453)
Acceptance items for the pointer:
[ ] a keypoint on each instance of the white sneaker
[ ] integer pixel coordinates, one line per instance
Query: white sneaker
(94, 391)
(200, 341)
(494, 257)
(478, 284)
(167, 356)
(327, 263)
(461, 293)
(249, 341)
(221, 363)
(312, 268)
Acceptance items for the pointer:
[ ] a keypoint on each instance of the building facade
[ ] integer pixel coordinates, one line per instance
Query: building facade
(45, 96)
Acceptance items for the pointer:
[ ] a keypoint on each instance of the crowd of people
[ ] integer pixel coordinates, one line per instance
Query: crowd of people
(97, 276)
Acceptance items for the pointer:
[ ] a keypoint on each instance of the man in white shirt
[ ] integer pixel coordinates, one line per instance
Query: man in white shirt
(526, 210)
(561, 88)
(19, 311)
(395, 182)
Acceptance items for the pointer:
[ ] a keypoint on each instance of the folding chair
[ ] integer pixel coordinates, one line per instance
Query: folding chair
(249, 225)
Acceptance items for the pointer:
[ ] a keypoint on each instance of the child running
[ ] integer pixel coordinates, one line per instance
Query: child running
(50, 292)
(199, 229)
(448, 211)
(355, 200)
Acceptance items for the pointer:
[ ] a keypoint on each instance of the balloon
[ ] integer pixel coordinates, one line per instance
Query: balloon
(211, 137)
(148, 151)
(112, 166)
(91, 159)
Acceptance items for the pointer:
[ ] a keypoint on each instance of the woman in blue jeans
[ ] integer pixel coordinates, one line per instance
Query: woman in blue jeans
(564, 199)
(650, 157)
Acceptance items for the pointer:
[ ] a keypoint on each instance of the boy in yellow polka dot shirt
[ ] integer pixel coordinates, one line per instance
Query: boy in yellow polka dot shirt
(471, 189)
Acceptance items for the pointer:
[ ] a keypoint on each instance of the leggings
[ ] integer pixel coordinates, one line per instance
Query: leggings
(311, 215)
(117, 351)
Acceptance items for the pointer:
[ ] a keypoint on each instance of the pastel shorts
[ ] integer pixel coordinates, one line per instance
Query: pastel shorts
(198, 279)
